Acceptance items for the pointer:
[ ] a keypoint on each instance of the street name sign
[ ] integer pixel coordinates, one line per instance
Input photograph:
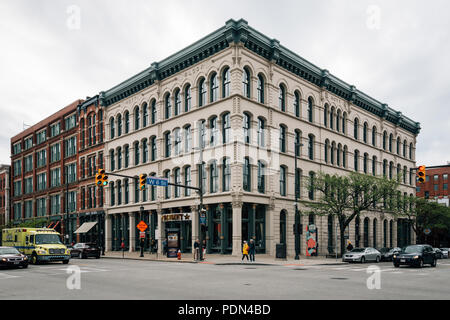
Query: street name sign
(160, 182)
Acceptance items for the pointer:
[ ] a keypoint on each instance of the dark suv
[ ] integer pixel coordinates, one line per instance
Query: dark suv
(415, 255)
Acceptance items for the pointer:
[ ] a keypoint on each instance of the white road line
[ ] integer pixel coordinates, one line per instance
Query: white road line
(4, 276)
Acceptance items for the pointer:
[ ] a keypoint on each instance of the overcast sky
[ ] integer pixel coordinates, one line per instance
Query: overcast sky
(398, 52)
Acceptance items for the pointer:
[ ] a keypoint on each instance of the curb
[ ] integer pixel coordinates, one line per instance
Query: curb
(155, 260)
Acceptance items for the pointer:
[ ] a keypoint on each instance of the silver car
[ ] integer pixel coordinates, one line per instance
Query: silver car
(362, 255)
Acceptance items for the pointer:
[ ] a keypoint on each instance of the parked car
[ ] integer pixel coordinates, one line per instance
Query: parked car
(11, 257)
(362, 255)
(444, 252)
(85, 250)
(415, 255)
(438, 253)
(387, 253)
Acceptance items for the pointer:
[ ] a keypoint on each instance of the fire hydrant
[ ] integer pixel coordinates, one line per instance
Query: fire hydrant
(179, 255)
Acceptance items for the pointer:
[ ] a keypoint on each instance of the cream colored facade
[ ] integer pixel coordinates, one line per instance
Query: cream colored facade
(236, 58)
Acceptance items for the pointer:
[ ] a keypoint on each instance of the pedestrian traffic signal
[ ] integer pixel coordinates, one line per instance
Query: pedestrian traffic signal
(101, 179)
(421, 174)
(142, 181)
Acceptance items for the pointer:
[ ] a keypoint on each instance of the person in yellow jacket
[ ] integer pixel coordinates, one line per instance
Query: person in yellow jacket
(245, 251)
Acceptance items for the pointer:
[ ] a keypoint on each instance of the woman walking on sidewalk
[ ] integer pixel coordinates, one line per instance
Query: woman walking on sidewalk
(245, 251)
(251, 250)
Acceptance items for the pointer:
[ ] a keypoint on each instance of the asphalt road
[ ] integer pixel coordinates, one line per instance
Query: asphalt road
(131, 279)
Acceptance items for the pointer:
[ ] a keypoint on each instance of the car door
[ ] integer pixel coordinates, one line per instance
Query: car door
(426, 254)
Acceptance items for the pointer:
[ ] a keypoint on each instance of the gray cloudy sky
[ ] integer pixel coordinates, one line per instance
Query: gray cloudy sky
(402, 58)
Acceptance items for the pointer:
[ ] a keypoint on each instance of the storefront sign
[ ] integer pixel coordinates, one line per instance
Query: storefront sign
(176, 217)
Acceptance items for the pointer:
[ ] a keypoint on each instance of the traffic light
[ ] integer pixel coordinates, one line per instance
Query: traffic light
(101, 180)
(421, 174)
(142, 181)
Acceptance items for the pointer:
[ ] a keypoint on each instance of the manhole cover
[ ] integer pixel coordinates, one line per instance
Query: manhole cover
(339, 278)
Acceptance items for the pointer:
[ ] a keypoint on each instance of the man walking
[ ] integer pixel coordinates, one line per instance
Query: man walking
(197, 249)
(349, 247)
(251, 250)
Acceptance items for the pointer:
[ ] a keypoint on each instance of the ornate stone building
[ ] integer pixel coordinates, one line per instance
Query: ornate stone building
(237, 107)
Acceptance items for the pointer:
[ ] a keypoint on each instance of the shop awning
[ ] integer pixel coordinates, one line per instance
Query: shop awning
(85, 227)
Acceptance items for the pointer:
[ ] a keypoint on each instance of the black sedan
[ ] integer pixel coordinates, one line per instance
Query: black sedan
(388, 253)
(85, 250)
(11, 257)
(415, 255)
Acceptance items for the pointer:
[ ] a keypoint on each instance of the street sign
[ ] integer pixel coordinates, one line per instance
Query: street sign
(427, 231)
(142, 226)
(153, 181)
(142, 235)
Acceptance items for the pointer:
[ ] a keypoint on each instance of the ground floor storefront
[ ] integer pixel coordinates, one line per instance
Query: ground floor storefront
(276, 230)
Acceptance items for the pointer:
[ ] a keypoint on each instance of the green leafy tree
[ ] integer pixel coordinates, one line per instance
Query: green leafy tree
(346, 197)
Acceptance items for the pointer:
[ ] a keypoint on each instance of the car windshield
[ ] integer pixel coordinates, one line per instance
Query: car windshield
(358, 250)
(412, 249)
(47, 239)
(8, 251)
(383, 250)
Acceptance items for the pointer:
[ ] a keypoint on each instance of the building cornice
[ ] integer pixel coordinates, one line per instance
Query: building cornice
(270, 49)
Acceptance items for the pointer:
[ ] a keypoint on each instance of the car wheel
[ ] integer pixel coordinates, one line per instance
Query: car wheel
(363, 259)
(420, 263)
(434, 263)
(34, 258)
(377, 259)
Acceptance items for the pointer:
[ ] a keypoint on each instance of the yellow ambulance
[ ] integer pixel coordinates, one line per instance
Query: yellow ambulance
(39, 244)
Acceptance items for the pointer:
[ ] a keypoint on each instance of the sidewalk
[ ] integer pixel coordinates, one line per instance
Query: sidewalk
(218, 259)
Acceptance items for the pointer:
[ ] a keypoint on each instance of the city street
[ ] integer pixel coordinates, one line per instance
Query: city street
(131, 279)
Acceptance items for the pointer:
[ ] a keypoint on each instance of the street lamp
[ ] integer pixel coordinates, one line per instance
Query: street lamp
(297, 225)
(201, 210)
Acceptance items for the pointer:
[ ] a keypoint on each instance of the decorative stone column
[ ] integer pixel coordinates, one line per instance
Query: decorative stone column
(132, 234)
(108, 231)
(162, 231)
(237, 227)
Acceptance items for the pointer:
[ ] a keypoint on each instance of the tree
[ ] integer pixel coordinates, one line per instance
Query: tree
(425, 214)
(346, 197)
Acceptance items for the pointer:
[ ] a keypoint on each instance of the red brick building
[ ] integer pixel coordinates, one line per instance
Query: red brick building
(44, 162)
(4, 194)
(436, 184)
(91, 144)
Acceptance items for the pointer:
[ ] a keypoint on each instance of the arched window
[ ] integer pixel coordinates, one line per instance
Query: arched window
(144, 115)
(187, 181)
(391, 169)
(344, 121)
(410, 151)
(202, 93)
(153, 111)
(214, 177)
(365, 163)
(297, 142)
(283, 181)
(398, 145)
(384, 140)
(226, 128)
(391, 141)
(153, 147)
(214, 88)
(374, 136)
(168, 144)
(297, 104)
(355, 128)
(136, 153)
(119, 158)
(261, 177)
(282, 138)
(213, 131)
(310, 109)
(119, 125)
(112, 160)
(177, 178)
(325, 115)
(385, 168)
(260, 89)
(283, 227)
(261, 128)
(338, 121)
(344, 157)
(356, 158)
(127, 122)
(246, 127)
(338, 158)
(177, 97)
(374, 165)
(247, 175)
(311, 147)
(226, 174)
(333, 152)
(365, 128)
(127, 156)
(112, 129)
(311, 186)
(187, 139)
(187, 98)
(404, 148)
(137, 116)
(168, 106)
(226, 83)
(282, 98)
(327, 146)
(144, 151)
(246, 83)
(332, 117)
(167, 191)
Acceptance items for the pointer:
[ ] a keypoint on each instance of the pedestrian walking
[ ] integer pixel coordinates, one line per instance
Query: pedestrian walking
(245, 251)
(197, 249)
(204, 250)
(350, 246)
(164, 246)
(251, 250)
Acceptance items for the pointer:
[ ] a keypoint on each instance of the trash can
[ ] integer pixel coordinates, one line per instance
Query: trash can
(281, 251)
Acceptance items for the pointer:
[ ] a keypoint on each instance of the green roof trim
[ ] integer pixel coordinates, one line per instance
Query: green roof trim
(270, 49)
